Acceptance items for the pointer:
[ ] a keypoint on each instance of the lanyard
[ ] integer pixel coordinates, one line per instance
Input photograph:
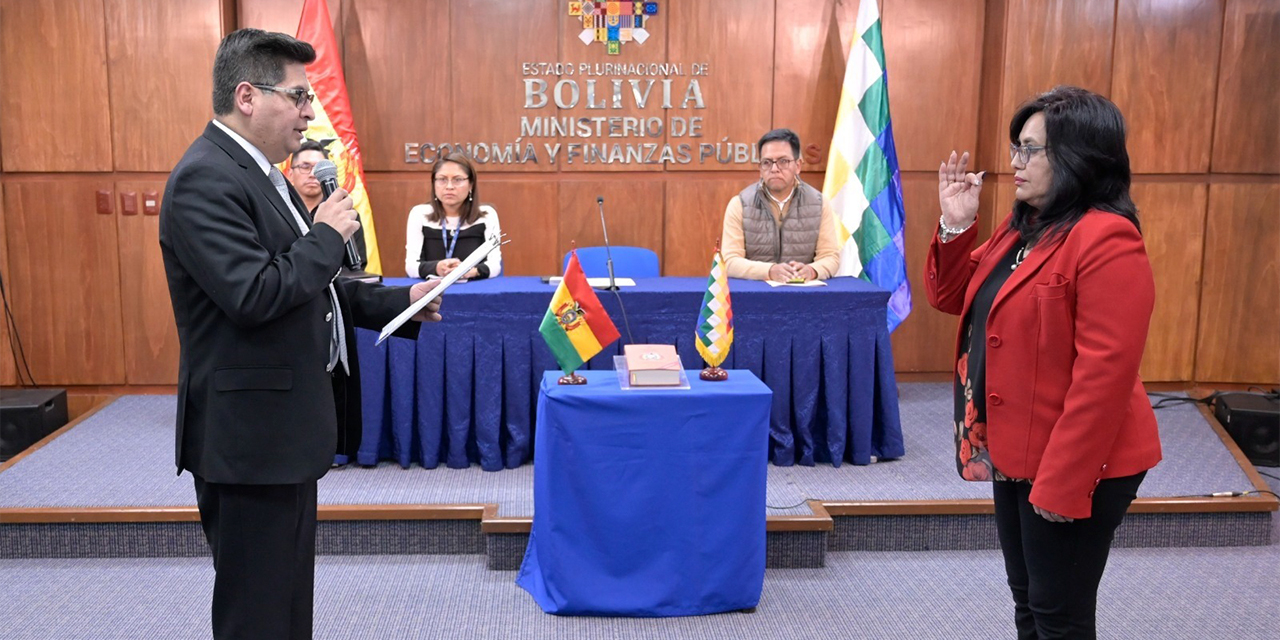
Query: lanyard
(444, 236)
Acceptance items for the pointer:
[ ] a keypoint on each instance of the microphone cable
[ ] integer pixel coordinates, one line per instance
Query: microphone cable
(626, 323)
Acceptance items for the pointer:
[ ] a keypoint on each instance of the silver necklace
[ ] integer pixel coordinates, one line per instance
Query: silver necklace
(1022, 255)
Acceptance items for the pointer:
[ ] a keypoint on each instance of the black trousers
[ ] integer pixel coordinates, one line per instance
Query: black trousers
(1054, 567)
(263, 539)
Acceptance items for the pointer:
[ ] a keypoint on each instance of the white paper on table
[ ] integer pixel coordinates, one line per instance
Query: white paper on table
(472, 260)
(596, 282)
(810, 283)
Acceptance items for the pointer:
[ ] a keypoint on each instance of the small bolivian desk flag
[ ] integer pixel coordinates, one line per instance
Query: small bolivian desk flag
(714, 334)
(576, 327)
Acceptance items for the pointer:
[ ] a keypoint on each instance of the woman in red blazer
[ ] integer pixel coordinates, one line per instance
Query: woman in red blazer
(1055, 309)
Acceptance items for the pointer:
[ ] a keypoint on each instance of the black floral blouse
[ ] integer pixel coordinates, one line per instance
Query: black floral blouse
(973, 460)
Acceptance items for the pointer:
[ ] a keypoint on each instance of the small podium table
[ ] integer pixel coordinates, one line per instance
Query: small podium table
(648, 502)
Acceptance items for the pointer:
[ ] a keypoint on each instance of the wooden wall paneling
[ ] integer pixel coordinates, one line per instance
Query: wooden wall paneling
(993, 134)
(159, 53)
(283, 15)
(150, 335)
(397, 66)
(1247, 124)
(633, 210)
(694, 218)
(810, 53)
(625, 132)
(53, 115)
(8, 372)
(737, 40)
(65, 284)
(1240, 295)
(1164, 80)
(486, 87)
(1172, 216)
(1050, 43)
(392, 199)
(933, 52)
(1003, 203)
(528, 211)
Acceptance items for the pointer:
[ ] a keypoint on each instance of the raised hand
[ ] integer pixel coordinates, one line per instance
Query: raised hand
(958, 191)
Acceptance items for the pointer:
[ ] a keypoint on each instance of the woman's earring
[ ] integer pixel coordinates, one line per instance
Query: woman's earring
(468, 196)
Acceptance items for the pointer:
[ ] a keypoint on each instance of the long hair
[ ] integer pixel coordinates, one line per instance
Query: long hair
(469, 210)
(1087, 154)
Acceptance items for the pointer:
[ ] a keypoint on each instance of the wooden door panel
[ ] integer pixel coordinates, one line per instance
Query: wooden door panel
(54, 114)
(65, 285)
(150, 335)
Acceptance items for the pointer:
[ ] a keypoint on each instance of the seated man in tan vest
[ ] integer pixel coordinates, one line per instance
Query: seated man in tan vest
(780, 228)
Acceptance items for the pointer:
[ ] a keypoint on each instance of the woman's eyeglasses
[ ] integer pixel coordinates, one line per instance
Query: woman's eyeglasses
(1024, 152)
(444, 181)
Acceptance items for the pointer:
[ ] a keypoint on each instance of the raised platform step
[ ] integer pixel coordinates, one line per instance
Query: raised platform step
(478, 517)
(793, 541)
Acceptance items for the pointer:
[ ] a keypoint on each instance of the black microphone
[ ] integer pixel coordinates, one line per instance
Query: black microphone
(608, 255)
(327, 173)
(608, 261)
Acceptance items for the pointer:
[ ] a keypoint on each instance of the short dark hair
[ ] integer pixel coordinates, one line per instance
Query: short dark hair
(1086, 150)
(784, 135)
(254, 56)
(310, 145)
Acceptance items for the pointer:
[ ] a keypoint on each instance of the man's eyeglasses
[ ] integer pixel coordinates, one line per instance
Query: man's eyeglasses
(1024, 152)
(782, 163)
(304, 167)
(444, 181)
(301, 97)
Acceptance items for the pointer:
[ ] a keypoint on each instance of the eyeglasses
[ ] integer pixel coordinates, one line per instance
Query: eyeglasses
(445, 181)
(782, 163)
(302, 166)
(301, 97)
(1024, 152)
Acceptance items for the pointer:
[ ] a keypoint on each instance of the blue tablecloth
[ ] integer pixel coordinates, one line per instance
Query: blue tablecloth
(648, 502)
(465, 390)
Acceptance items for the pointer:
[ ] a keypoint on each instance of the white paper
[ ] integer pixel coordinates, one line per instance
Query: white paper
(597, 283)
(472, 260)
(810, 283)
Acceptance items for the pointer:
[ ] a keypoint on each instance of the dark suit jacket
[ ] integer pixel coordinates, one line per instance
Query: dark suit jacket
(1065, 336)
(249, 293)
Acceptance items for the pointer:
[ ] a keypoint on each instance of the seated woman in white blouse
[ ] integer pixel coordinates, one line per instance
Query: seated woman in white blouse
(441, 233)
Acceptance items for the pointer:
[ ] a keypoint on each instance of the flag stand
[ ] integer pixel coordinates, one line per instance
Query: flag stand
(572, 378)
(714, 374)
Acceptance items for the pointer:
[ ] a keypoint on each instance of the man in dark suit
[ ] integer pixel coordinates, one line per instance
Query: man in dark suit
(267, 373)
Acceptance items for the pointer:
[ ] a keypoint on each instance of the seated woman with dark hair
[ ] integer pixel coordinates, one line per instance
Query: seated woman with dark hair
(441, 233)
(1054, 312)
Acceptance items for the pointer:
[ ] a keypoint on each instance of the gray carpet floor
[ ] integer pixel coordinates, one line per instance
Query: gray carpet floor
(1165, 593)
(123, 456)
(1147, 593)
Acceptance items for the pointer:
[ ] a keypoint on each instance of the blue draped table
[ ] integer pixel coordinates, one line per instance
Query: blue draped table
(465, 391)
(648, 502)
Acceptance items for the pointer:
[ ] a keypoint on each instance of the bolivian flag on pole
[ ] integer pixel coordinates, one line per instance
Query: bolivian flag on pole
(862, 180)
(576, 327)
(333, 118)
(714, 334)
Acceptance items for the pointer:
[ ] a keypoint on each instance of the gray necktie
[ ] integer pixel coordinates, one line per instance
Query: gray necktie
(337, 337)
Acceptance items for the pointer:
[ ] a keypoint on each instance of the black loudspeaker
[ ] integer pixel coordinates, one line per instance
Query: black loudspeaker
(1254, 423)
(27, 415)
